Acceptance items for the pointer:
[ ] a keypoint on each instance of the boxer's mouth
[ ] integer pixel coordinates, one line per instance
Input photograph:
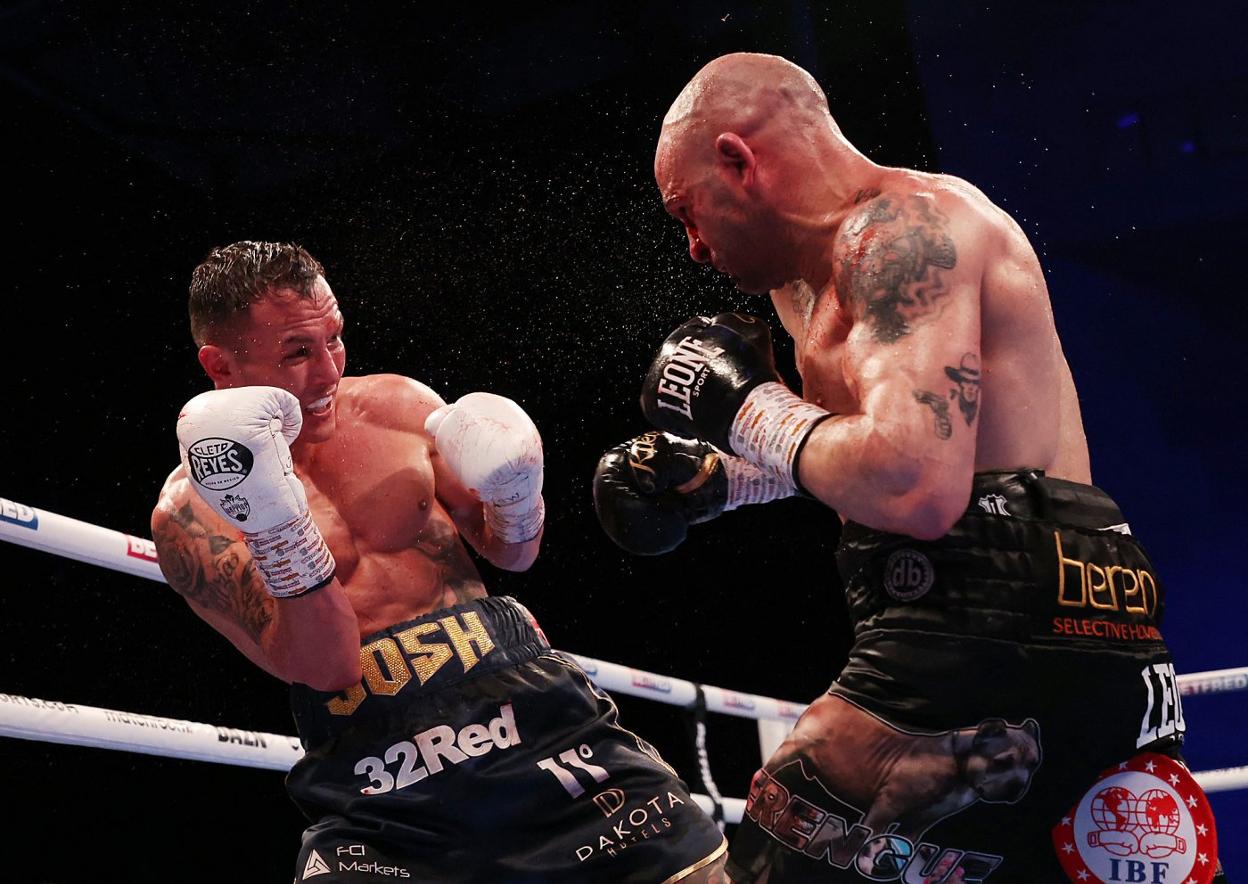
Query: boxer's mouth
(320, 407)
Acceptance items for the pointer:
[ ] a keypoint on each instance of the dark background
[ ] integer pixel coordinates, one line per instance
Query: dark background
(479, 188)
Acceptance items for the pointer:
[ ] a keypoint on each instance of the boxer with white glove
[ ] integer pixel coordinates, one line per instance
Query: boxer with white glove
(235, 446)
(495, 451)
(404, 636)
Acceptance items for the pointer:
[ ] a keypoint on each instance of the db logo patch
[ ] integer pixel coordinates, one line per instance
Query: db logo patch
(1144, 821)
(219, 464)
(908, 575)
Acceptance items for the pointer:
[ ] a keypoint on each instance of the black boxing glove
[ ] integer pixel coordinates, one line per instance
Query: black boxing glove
(716, 379)
(649, 490)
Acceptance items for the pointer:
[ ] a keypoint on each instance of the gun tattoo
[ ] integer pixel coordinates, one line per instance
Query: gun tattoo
(938, 405)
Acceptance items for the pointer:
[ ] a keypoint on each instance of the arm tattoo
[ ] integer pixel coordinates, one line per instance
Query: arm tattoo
(966, 376)
(213, 571)
(938, 405)
(891, 272)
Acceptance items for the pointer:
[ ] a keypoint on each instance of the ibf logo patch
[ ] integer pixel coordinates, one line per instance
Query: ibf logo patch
(219, 464)
(908, 575)
(1145, 820)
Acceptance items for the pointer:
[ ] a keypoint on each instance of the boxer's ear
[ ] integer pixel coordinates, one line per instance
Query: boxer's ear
(217, 365)
(736, 156)
(988, 729)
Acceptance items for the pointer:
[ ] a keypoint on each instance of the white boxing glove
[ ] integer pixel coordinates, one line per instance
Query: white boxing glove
(235, 446)
(495, 451)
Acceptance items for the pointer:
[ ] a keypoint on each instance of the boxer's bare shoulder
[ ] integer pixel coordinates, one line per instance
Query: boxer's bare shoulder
(932, 246)
(381, 434)
(391, 401)
(379, 446)
(896, 252)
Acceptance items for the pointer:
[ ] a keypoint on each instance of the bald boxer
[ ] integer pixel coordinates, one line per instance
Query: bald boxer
(318, 522)
(1006, 621)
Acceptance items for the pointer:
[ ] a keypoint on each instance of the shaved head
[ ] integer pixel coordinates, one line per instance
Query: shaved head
(747, 93)
(752, 165)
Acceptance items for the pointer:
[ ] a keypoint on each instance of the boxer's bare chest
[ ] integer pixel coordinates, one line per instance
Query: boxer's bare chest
(820, 325)
(371, 492)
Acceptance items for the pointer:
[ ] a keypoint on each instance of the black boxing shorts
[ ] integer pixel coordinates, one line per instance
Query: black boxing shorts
(995, 673)
(472, 752)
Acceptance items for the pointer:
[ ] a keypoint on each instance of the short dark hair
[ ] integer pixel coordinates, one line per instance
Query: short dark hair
(233, 277)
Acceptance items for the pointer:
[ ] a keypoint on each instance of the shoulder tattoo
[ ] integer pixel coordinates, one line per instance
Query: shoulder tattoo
(892, 258)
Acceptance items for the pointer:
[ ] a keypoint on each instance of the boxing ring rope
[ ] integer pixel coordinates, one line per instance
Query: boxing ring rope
(68, 723)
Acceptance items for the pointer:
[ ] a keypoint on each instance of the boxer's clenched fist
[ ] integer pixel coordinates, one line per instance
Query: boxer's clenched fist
(649, 490)
(495, 451)
(716, 379)
(235, 447)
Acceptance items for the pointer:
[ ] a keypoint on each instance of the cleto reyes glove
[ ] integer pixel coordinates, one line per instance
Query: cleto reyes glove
(494, 449)
(716, 380)
(235, 447)
(649, 490)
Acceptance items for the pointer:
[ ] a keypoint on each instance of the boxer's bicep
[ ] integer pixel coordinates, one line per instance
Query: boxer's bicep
(462, 505)
(910, 276)
(468, 515)
(216, 576)
(930, 382)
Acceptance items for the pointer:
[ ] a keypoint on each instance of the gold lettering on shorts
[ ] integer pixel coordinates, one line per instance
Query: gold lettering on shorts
(426, 658)
(463, 640)
(1147, 591)
(1062, 563)
(1128, 589)
(349, 702)
(390, 682)
(387, 671)
(1105, 587)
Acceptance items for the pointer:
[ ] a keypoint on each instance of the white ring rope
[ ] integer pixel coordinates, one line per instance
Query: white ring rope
(50, 721)
(72, 539)
(27, 718)
(69, 538)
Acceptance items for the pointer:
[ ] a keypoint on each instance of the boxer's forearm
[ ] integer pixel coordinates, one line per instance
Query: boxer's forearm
(509, 556)
(474, 528)
(314, 639)
(874, 473)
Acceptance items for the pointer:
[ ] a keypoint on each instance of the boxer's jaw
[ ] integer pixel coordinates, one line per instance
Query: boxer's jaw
(294, 342)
